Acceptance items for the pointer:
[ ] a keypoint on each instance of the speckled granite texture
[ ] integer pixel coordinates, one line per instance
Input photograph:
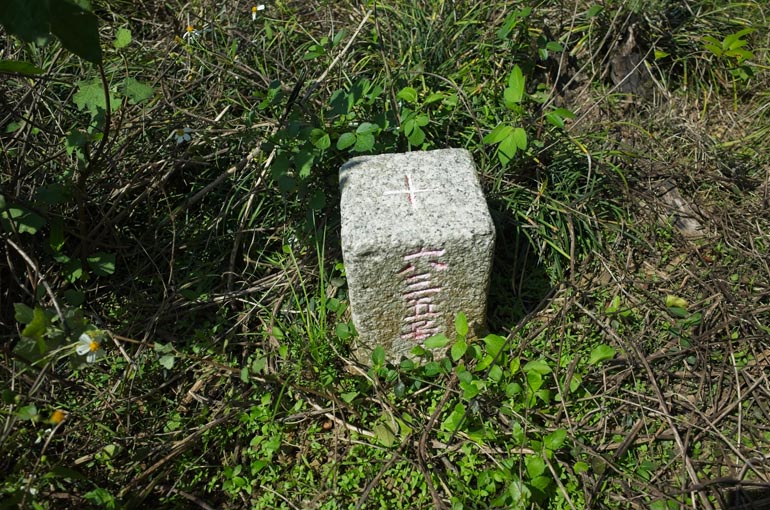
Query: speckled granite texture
(417, 242)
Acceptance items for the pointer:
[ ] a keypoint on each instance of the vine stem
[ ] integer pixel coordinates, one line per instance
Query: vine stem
(92, 164)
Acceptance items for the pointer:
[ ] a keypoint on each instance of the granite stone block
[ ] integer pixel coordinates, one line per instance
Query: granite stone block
(417, 243)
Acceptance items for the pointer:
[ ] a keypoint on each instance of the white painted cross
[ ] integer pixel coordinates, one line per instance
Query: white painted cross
(410, 192)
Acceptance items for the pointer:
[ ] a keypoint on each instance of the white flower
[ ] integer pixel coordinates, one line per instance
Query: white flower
(183, 135)
(89, 347)
(254, 9)
(191, 34)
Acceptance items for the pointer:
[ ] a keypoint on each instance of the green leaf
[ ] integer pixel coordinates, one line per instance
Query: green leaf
(417, 136)
(26, 19)
(77, 29)
(90, 97)
(378, 356)
(507, 149)
(594, 10)
(244, 374)
(342, 331)
(349, 396)
(136, 91)
(26, 222)
(534, 381)
(581, 467)
(407, 94)
(320, 139)
(538, 366)
(74, 297)
(458, 349)
(367, 128)
(16, 66)
(494, 343)
(167, 361)
(461, 324)
(496, 373)
(470, 389)
(37, 327)
(455, 418)
(23, 313)
(535, 465)
(436, 342)
(555, 439)
(675, 302)
(102, 264)
(515, 90)
(346, 140)
(384, 435)
(520, 137)
(122, 38)
(364, 143)
(498, 134)
(304, 163)
(601, 353)
(27, 412)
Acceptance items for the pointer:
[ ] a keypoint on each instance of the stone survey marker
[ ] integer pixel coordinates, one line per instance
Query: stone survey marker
(417, 242)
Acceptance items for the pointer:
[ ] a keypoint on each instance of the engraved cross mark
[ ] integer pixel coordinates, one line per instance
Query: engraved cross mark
(410, 192)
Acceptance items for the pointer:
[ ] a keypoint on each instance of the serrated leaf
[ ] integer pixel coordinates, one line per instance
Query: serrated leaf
(136, 91)
(90, 97)
(601, 353)
(122, 38)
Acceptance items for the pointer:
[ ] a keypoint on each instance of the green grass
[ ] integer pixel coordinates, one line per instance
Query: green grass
(627, 363)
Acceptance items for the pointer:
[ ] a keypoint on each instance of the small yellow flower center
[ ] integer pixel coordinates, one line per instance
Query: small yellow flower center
(94, 346)
(180, 132)
(190, 28)
(254, 9)
(58, 416)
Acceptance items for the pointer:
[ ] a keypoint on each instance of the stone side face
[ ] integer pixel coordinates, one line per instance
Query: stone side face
(417, 242)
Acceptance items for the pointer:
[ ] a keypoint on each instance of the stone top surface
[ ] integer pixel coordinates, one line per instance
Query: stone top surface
(407, 199)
